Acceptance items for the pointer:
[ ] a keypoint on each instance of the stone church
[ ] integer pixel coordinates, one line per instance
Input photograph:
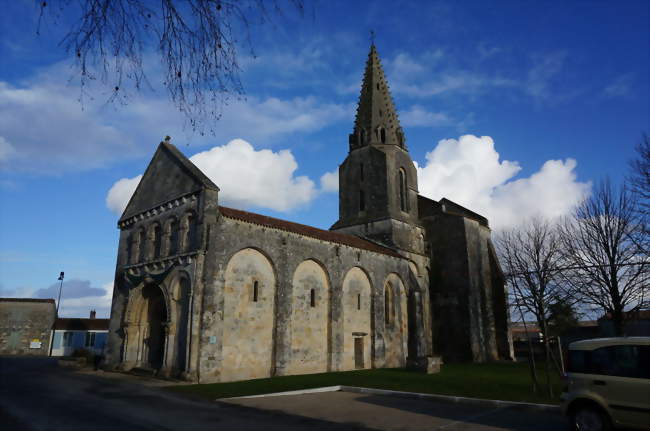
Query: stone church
(213, 294)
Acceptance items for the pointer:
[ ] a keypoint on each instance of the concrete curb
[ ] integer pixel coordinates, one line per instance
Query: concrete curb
(280, 394)
(455, 399)
(414, 395)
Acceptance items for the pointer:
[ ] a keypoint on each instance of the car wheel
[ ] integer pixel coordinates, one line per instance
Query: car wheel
(587, 418)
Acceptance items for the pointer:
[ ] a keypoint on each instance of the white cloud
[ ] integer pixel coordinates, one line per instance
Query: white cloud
(468, 171)
(262, 119)
(247, 178)
(329, 182)
(51, 133)
(6, 149)
(120, 193)
(80, 307)
(544, 75)
(621, 86)
(66, 135)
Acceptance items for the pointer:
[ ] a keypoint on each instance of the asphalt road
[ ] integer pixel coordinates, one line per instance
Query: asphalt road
(35, 394)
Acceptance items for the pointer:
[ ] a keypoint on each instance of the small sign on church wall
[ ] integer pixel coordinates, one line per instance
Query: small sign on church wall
(35, 343)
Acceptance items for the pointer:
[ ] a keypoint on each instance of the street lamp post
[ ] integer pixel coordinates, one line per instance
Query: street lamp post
(57, 311)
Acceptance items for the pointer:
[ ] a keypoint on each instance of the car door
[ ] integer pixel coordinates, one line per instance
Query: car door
(617, 372)
(631, 366)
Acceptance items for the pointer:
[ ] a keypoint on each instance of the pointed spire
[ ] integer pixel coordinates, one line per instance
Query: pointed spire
(376, 122)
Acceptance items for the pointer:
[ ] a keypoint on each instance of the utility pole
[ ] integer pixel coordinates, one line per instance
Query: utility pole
(56, 316)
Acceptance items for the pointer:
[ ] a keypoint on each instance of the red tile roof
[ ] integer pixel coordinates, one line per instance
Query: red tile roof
(312, 232)
(78, 324)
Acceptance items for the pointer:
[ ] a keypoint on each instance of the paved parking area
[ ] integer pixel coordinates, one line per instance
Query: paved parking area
(394, 413)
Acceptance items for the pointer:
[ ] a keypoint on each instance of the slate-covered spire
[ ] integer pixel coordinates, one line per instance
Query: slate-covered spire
(376, 122)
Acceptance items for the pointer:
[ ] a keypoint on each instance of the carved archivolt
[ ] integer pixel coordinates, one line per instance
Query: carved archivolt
(174, 203)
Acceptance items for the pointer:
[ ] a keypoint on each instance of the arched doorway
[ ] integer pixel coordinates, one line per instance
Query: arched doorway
(155, 316)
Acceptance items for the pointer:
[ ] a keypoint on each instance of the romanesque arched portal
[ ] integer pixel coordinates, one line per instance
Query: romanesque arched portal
(146, 327)
(155, 321)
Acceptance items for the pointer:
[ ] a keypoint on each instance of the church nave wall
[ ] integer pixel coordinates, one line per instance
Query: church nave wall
(310, 309)
(248, 316)
(298, 338)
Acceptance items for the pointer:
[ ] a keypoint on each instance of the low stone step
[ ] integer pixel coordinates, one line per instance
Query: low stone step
(144, 371)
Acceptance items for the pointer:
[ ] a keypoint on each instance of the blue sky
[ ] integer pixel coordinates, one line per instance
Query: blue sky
(511, 108)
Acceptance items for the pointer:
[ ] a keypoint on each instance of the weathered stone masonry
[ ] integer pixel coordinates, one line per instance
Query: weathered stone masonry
(212, 294)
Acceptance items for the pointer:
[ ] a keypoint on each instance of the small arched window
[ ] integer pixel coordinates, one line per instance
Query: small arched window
(399, 134)
(130, 243)
(387, 304)
(402, 191)
(312, 298)
(358, 301)
(172, 234)
(189, 231)
(256, 290)
(140, 246)
(362, 201)
(362, 137)
(156, 238)
(382, 133)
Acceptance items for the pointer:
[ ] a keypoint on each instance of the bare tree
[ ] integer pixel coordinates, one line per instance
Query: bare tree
(196, 42)
(639, 179)
(531, 256)
(639, 182)
(607, 269)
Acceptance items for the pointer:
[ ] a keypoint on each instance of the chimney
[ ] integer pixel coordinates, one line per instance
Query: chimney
(92, 314)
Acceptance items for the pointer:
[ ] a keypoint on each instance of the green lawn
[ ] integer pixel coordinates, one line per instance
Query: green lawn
(503, 381)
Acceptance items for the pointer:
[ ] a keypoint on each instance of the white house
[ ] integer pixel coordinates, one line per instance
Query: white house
(71, 334)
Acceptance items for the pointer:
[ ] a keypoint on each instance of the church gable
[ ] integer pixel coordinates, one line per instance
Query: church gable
(169, 175)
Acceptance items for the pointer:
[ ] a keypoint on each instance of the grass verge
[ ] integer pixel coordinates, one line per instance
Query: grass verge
(502, 381)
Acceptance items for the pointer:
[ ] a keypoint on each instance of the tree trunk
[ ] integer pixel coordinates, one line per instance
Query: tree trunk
(547, 355)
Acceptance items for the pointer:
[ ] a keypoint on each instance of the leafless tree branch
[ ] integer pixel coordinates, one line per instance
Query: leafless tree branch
(197, 43)
(610, 271)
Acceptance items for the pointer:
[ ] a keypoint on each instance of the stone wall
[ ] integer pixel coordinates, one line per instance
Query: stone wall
(395, 322)
(248, 316)
(337, 273)
(356, 299)
(23, 321)
(467, 295)
(309, 319)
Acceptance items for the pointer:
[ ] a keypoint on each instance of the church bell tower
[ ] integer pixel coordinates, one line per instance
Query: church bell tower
(378, 186)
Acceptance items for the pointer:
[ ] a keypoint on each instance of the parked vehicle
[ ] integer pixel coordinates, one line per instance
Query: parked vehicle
(608, 384)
